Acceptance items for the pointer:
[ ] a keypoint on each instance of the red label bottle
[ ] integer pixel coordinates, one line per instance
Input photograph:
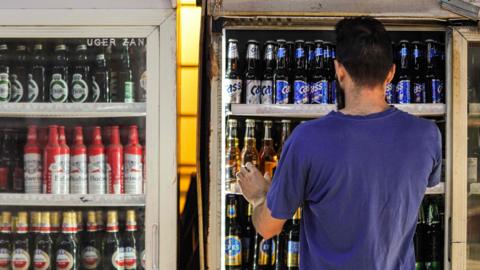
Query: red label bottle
(32, 162)
(133, 163)
(51, 160)
(78, 164)
(96, 164)
(115, 163)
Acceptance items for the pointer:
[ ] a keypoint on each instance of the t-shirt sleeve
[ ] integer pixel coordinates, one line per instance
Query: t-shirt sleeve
(436, 173)
(288, 185)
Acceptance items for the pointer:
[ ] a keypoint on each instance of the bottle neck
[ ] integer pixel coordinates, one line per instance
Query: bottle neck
(285, 132)
(133, 136)
(45, 228)
(78, 136)
(115, 136)
(250, 136)
(92, 227)
(32, 136)
(97, 136)
(232, 135)
(61, 136)
(53, 136)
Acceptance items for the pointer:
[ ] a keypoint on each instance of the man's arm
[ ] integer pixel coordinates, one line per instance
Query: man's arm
(266, 225)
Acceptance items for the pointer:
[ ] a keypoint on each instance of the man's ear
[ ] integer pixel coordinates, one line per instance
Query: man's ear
(391, 74)
(340, 70)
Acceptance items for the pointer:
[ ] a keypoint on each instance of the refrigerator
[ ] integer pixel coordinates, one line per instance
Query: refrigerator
(79, 65)
(451, 23)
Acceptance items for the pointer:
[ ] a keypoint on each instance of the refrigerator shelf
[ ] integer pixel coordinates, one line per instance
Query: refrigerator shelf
(474, 189)
(73, 110)
(317, 110)
(438, 189)
(72, 200)
(474, 109)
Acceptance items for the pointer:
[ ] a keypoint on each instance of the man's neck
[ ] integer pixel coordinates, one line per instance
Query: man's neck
(365, 101)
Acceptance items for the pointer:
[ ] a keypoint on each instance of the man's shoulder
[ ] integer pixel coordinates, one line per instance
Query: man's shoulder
(417, 123)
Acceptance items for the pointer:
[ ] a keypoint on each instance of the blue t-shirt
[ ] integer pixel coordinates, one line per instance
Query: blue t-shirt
(360, 180)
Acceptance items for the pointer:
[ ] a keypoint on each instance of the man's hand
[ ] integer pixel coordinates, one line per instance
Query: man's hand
(254, 186)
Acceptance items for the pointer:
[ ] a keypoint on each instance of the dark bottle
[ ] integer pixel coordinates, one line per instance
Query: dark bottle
(279, 258)
(35, 221)
(267, 78)
(21, 244)
(36, 76)
(101, 80)
(433, 82)
(290, 58)
(18, 75)
(55, 226)
(404, 78)
(418, 79)
(43, 246)
(329, 71)
(131, 258)
(81, 232)
(141, 248)
(252, 74)
(232, 83)
(318, 80)
(5, 84)
(390, 95)
(5, 240)
(420, 239)
(140, 73)
(67, 250)
(125, 78)
(435, 237)
(79, 82)
(58, 87)
(292, 243)
(113, 66)
(248, 240)
(281, 85)
(301, 91)
(112, 248)
(233, 240)
(310, 55)
(90, 255)
(6, 162)
(18, 181)
(286, 130)
(262, 259)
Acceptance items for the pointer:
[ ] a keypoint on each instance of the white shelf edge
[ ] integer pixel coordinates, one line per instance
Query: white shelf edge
(438, 189)
(72, 200)
(474, 189)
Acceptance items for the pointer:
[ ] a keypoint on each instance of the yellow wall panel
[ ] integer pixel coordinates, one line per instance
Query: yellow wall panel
(186, 2)
(189, 32)
(187, 142)
(188, 90)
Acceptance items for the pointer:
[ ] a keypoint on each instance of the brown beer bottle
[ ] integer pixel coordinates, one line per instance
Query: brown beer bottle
(130, 242)
(112, 249)
(286, 130)
(43, 246)
(55, 226)
(21, 244)
(35, 221)
(232, 155)
(249, 151)
(268, 157)
(5, 240)
(91, 258)
(67, 255)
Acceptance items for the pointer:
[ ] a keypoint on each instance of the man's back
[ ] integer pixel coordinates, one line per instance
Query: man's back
(361, 180)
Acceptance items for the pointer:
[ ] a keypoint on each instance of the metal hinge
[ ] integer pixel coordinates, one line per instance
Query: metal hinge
(466, 8)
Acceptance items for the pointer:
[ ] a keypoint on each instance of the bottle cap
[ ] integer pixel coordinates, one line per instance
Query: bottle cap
(21, 47)
(38, 47)
(81, 47)
(100, 56)
(61, 47)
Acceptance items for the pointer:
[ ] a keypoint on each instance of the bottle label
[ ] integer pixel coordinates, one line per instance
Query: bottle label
(403, 52)
(281, 52)
(5, 88)
(403, 92)
(79, 88)
(269, 53)
(90, 257)
(133, 174)
(78, 174)
(252, 51)
(143, 85)
(267, 91)
(41, 260)
(129, 92)
(264, 252)
(319, 91)
(96, 174)
(143, 257)
(299, 53)
(130, 258)
(64, 260)
(95, 90)
(20, 259)
(293, 248)
(232, 50)
(301, 92)
(437, 91)
(282, 90)
(231, 211)
(318, 52)
(390, 93)
(419, 93)
(233, 251)
(33, 90)
(17, 89)
(58, 89)
(472, 171)
(4, 259)
(33, 172)
(118, 259)
(59, 171)
(232, 90)
(254, 91)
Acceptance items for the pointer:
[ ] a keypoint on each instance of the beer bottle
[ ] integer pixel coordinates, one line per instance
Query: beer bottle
(141, 248)
(21, 244)
(328, 73)
(78, 164)
(18, 180)
(91, 258)
(132, 260)
(5, 85)
(79, 84)
(435, 233)
(35, 222)
(300, 86)
(5, 240)
(125, 79)
(81, 233)
(133, 168)
(55, 225)
(58, 88)
(61, 185)
(115, 163)
(37, 75)
(6, 163)
(67, 255)
(292, 245)
(262, 259)
(18, 75)
(310, 55)
(404, 81)
(252, 75)
(32, 160)
(286, 130)
(248, 240)
(433, 83)
(267, 78)
(268, 157)
(101, 80)
(43, 247)
(233, 242)
(112, 248)
(290, 59)
(418, 81)
(232, 155)
(100, 223)
(420, 239)
(280, 252)
(96, 164)
(232, 83)
(249, 151)
(280, 77)
(318, 79)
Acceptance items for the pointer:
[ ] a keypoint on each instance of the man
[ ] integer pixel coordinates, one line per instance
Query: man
(360, 173)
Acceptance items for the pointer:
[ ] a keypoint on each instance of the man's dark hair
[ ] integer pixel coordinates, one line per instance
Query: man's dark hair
(365, 50)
